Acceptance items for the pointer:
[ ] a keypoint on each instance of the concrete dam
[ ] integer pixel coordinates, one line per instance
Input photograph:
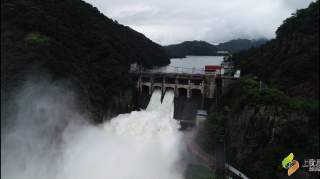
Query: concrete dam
(192, 92)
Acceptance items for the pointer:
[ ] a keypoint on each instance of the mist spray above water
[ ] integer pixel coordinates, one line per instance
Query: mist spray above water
(51, 139)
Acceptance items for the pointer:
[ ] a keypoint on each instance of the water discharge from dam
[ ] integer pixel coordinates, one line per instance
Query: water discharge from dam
(166, 106)
(48, 141)
(155, 101)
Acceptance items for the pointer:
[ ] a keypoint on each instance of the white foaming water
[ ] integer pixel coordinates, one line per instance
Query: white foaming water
(167, 105)
(140, 145)
(155, 100)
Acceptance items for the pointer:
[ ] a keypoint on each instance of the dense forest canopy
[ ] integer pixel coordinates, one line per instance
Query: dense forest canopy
(291, 61)
(72, 40)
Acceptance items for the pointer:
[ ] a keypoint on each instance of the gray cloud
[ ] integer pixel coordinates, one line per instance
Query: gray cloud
(168, 21)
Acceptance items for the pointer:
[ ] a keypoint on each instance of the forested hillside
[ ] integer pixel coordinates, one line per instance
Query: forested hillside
(261, 123)
(72, 41)
(291, 61)
(237, 45)
(183, 49)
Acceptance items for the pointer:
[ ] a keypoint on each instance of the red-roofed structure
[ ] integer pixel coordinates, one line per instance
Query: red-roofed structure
(213, 67)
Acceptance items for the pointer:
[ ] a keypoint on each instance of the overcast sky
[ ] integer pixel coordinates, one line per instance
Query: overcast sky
(174, 21)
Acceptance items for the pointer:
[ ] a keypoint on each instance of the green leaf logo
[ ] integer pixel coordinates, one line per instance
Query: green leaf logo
(291, 165)
(286, 162)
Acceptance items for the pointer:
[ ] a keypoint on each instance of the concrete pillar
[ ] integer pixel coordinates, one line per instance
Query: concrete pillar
(163, 89)
(139, 85)
(203, 98)
(151, 84)
(176, 90)
(212, 88)
(188, 90)
(140, 89)
(222, 82)
(150, 90)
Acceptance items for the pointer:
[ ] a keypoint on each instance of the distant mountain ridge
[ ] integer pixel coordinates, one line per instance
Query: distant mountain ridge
(183, 49)
(237, 45)
(203, 48)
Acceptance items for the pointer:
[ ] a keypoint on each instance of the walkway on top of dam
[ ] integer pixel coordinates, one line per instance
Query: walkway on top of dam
(182, 72)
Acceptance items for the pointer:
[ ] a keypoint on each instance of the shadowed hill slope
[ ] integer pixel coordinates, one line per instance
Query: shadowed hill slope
(191, 48)
(237, 45)
(71, 40)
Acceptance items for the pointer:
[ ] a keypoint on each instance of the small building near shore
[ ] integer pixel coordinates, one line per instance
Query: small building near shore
(201, 116)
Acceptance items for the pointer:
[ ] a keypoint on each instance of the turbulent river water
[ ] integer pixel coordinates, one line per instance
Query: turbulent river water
(48, 137)
(139, 145)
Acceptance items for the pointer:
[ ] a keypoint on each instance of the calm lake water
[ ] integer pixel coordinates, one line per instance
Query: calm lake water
(190, 64)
